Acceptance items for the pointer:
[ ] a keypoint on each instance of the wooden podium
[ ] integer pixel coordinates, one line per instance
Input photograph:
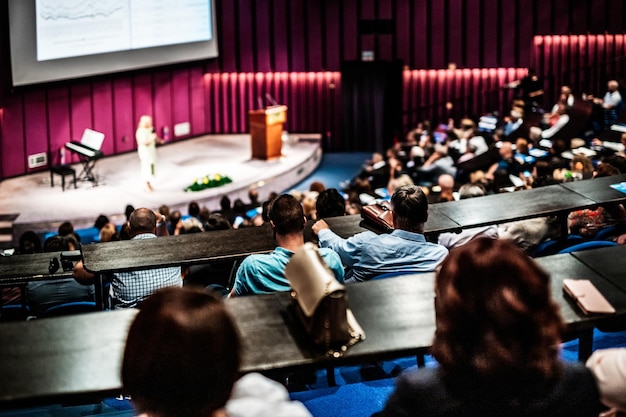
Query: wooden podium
(266, 130)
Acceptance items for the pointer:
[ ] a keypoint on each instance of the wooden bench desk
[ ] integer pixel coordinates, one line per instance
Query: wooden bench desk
(79, 357)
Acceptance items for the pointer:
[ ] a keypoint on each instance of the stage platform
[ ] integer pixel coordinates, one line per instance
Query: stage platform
(40, 207)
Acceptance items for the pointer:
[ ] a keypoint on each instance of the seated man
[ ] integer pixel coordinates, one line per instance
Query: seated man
(47, 293)
(404, 250)
(610, 105)
(182, 358)
(265, 273)
(129, 288)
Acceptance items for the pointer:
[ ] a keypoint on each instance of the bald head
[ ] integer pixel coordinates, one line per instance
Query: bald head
(142, 220)
(612, 85)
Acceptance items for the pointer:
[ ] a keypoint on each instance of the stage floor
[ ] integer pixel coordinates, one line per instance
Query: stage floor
(39, 206)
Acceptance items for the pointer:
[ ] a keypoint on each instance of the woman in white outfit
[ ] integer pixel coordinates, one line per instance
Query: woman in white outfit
(146, 148)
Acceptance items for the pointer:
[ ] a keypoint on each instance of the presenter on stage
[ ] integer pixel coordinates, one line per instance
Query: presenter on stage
(146, 149)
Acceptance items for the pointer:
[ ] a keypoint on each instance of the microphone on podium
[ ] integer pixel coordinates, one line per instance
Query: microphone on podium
(269, 97)
(260, 102)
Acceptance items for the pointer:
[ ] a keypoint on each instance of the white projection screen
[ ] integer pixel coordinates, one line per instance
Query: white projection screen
(53, 40)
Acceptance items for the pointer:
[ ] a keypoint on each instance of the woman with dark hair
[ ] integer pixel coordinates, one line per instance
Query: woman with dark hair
(182, 359)
(497, 343)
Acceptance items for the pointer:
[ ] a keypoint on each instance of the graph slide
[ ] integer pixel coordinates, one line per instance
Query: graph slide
(73, 28)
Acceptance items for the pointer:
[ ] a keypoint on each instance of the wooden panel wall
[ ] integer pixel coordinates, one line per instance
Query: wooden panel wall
(302, 43)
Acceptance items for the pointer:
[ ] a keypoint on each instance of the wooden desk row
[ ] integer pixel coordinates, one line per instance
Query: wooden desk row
(555, 200)
(79, 357)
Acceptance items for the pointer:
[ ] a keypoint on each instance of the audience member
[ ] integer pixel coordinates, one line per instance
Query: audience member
(216, 222)
(499, 172)
(265, 273)
(439, 163)
(108, 233)
(453, 240)
(483, 290)
(446, 186)
(129, 288)
(182, 359)
(527, 234)
(317, 187)
(557, 122)
(609, 368)
(174, 222)
(193, 209)
(566, 98)
(588, 222)
(47, 293)
(226, 210)
(610, 105)
(368, 254)
(375, 174)
(29, 242)
(530, 90)
(100, 221)
(329, 203)
(128, 211)
(65, 228)
(253, 197)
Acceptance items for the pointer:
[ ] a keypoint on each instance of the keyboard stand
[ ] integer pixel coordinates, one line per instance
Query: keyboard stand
(87, 173)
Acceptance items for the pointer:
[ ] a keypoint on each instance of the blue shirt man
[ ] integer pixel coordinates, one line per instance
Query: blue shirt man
(265, 273)
(404, 250)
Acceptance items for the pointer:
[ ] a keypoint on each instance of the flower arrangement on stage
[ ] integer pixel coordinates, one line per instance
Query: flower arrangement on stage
(208, 181)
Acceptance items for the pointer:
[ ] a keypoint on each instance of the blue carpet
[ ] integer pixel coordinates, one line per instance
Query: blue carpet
(334, 168)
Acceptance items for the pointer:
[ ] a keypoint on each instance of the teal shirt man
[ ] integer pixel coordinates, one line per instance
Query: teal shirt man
(264, 274)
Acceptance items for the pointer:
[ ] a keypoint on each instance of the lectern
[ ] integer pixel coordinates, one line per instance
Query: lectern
(266, 130)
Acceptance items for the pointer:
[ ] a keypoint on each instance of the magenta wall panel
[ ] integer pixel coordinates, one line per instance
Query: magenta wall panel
(102, 98)
(614, 18)
(228, 28)
(13, 146)
(196, 102)
(162, 113)
(263, 36)
(36, 120)
(403, 37)
(143, 99)
(280, 36)
(561, 15)
(348, 41)
(332, 24)
(245, 37)
(314, 36)
(492, 33)
(455, 32)
(180, 98)
(124, 115)
(81, 111)
(59, 128)
(297, 36)
(473, 36)
(437, 36)
(508, 38)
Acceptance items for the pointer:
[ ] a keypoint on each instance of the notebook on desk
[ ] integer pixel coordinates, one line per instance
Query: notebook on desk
(621, 187)
(587, 296)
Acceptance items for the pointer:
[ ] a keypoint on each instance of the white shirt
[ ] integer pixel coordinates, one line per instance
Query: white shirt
(254, 395)
(609, 368)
